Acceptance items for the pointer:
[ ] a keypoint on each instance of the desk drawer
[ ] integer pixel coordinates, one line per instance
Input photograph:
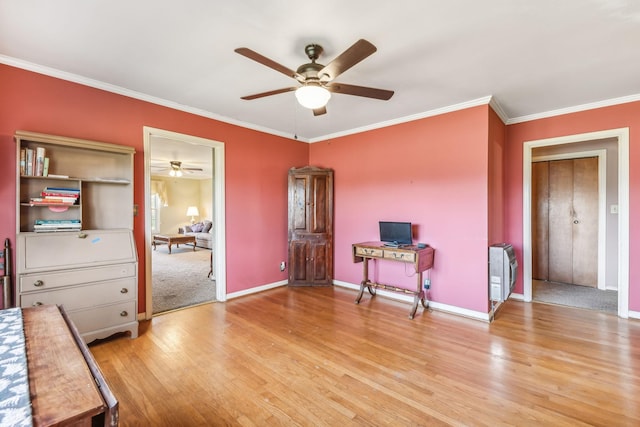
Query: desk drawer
(51, 280)
(104, 317)
(400, 256)
(368, 252)
(77, 297)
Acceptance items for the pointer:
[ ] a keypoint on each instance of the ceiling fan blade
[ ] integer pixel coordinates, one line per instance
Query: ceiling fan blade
(192, 169)
(347, 59)
(244, 51)
(367, 92)
(271, 92)
(320, 111)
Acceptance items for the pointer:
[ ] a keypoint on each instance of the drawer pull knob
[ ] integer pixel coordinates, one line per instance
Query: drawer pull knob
(38, 283)
(124, 290)
(124, 313)
(36, 304)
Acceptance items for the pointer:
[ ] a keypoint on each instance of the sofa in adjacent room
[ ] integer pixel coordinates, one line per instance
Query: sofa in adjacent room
(202, 231)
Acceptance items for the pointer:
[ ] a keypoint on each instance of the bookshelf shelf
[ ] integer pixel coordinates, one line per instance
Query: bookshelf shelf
(117, 181)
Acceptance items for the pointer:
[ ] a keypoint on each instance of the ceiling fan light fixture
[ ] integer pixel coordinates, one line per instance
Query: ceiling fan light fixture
(176, 169)
(312, 96)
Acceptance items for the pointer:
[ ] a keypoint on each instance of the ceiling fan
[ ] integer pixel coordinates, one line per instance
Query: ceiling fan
(317, 80)
(175, 168)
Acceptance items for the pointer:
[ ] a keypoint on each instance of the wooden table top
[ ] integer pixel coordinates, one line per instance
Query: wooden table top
(173, 236)
(61, 385)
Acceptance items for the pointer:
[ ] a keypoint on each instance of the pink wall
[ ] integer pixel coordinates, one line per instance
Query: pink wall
(256, 164)
(496, 141)
(430, 172)
(619, 116)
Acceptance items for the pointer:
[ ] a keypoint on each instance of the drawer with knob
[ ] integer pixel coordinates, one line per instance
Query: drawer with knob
(51, 280)
(400, 255)
(368, 252)
(104, 317)
(76, 297)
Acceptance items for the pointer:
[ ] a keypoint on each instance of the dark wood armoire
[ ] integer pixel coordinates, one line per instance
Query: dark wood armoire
(310, 226)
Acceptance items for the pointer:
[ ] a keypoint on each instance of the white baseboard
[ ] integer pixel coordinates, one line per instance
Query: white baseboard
(257, 289)
(432, 304)
(517, 297)
(634, 314)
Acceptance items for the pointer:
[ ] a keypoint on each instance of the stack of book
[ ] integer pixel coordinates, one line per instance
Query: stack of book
(49, 225)
(57, 195)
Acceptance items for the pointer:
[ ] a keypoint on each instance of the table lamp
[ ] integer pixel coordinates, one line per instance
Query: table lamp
(192, 211)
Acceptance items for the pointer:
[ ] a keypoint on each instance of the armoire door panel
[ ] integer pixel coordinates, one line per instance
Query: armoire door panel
(298, 205)
(320, 266)
(319, 211)
(298, 257)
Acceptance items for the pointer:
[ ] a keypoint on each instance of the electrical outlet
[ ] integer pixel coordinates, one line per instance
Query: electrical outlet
(283, 265)
(427, 283)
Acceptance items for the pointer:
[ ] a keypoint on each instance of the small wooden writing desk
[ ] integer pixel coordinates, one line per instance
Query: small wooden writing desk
(65, 384)
(421, 258)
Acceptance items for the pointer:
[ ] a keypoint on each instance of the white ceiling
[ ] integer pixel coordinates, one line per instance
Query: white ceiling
(535, 58)
(196, 160)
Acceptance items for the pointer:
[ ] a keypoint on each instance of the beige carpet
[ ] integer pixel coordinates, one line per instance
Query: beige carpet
(180, 279)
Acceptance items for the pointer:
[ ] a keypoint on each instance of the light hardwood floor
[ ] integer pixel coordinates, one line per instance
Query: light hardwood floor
(311, 357)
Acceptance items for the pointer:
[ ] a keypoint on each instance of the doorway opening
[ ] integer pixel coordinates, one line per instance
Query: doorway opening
(569, 226)
(613, 254)
(212, 209)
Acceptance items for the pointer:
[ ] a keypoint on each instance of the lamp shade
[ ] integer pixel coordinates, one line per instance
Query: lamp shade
(312, 96)
(192, 211)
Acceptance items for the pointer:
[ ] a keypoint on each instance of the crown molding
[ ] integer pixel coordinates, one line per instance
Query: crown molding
(574, 109)
(436, 112)
(74, 78)
(491, 100)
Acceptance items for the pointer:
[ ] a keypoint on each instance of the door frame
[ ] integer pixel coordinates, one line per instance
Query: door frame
(602, 202)
(622, 136)
(219, 244)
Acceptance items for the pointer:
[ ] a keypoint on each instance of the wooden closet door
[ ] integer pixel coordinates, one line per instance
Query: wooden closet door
(560, 221)
(565, 221)
(585, 222)
(540, 220)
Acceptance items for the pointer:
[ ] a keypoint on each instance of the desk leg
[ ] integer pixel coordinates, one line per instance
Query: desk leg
(169, 245)
(365, 278)
(419, 297)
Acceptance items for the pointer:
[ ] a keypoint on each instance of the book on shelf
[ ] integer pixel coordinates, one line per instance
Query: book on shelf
(38, 229)
(64, 199)
(61, 190)
(51, 175)
(56, 221)
(43, 201)
(29, 161)
(58, 226)
(23, 161)
(39, 161)
(45, 170)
